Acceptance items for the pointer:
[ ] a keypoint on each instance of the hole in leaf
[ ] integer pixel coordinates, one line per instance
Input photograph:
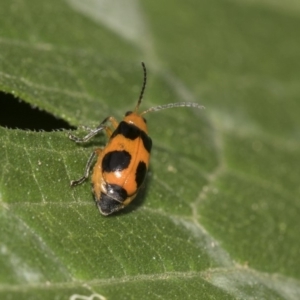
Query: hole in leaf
(17, 114)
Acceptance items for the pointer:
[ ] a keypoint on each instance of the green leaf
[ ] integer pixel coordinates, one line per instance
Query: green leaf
(218, 217)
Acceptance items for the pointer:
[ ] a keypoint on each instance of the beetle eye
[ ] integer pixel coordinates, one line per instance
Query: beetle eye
(128, 113)
(145, 120)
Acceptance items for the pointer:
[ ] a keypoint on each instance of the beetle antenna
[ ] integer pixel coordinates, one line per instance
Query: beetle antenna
(171, 105)
(143, 88)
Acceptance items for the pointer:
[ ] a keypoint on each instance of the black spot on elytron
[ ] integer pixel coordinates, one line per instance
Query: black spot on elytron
(146, 141)
(132, 132)
(116, 192)
(140, 173)
(129, 131)
(128, 113)
(116, 161)
(107, 205)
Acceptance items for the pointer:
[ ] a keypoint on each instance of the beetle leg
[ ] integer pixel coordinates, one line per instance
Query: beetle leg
(86, 138)
(87, 169)
(95, 131)
(114, 124)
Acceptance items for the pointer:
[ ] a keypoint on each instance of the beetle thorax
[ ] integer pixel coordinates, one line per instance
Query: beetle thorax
(136, 120)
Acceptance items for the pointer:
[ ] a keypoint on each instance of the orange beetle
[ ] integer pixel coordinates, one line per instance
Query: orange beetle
(122, 164)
